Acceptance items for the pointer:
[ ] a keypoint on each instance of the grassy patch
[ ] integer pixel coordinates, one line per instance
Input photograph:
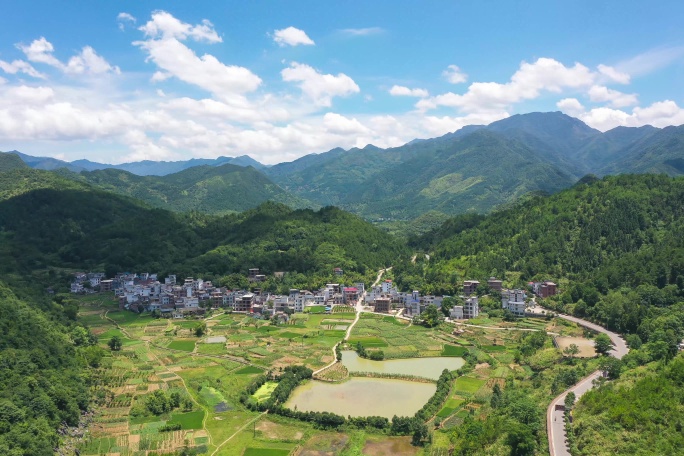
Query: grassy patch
(493, 348)
(249, 370)
(190, 420)
(315, 309)
(265, 452)
(368, 341)
(452, 350)
(182, 344)
(468, 385)
(265, 391)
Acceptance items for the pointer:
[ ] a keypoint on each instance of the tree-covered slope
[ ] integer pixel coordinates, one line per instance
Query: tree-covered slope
(82, 227)
(22, 180)
(44, 374)
(9, 162)
(210, 189)
(618, 231)
(474, 173)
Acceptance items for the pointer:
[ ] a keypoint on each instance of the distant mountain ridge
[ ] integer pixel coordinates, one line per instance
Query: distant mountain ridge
(474, 169)
(141, 168)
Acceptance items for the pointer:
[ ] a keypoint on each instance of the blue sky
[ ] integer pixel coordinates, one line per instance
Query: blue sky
(130, 80)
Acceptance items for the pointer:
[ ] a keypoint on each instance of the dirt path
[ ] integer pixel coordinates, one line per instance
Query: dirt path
(359, 310)
(237, 432)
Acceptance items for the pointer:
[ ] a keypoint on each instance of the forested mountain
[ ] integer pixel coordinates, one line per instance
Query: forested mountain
(46, 163)
(65, 224)
(210, 189)
(9, 162)
(478, 168)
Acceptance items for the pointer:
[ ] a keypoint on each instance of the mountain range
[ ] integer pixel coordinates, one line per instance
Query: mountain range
(474, 169)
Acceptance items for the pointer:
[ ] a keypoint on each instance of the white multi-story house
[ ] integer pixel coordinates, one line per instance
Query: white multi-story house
(514, 301)
(471, 309)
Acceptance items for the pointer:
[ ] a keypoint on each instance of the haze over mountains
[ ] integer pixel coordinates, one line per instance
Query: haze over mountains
(474, 169)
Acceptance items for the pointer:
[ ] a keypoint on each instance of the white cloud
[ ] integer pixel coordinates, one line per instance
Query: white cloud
(399, 91)
(40, 51)
(125, 18)
(531, 79)
(20, 66)
(341, 125)
(570, 106)
(176, 59)
(164, 26)
(658, 114)
(362, 31)
(615, 98)
(291, 36)
(320, 88)
(88, 62)
(613, 74)
(454, 75)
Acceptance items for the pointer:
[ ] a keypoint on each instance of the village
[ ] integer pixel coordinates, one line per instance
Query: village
(172, 298)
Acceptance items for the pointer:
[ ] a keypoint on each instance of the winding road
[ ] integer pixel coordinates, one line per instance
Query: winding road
(555, 419)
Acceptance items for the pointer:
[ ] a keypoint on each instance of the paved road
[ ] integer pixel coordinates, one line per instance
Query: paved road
(555, 421)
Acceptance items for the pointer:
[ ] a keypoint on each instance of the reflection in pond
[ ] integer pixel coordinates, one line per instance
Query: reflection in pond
(363, 397)
(420, 367)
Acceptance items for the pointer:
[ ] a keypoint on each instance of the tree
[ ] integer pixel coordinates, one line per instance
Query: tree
(611, 366)
(115, 343)
(431, 316)
(569, 401)
(419, 434)
(497, 397)
(521, 440)
(603, 344)
(571, 351)
(200, 329)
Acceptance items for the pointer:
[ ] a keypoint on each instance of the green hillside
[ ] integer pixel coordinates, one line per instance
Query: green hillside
(68, 225)
(474, 173)
(9, 162)
(210, 189)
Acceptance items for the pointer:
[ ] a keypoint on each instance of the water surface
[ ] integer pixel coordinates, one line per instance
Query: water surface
(421, 367)
(362, 397)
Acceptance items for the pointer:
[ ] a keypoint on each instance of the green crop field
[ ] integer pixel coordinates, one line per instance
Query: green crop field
(368, 342)
(249, 370)
(451, 350)
(493, 348)
(185, 345)
(189, 420)
(468, 385)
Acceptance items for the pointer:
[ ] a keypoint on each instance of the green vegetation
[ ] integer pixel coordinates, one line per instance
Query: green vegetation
(185, 345)
(209, 189)
(265, 452)
(249, 370)
(264, 392)
(452, 350)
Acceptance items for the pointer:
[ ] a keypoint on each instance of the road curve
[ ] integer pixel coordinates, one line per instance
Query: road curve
(555, 419)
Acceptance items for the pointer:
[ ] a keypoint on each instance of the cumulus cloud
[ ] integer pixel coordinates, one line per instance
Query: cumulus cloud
(570, 106)
(341, 125)
(291, 36)
(401, 91)
(40, 51)
(658, 114)
(174, 58)
(615, 98)
(454, 75)
(320, 88)
(86, 62)
(528, 82)
(164, 26)
(20, 66)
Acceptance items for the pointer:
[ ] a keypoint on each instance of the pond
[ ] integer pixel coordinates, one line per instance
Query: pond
(362, 397)
(421, 367)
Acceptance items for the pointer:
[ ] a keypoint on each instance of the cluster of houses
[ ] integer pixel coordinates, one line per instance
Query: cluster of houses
(145, 292)
(175, 298)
